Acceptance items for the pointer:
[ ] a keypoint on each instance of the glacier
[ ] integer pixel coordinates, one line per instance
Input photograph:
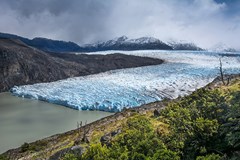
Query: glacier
(182, 73)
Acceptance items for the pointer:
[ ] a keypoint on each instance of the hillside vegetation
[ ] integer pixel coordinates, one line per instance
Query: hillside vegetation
(204, 126)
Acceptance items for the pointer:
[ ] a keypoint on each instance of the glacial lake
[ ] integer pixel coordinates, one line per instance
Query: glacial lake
(25, 120)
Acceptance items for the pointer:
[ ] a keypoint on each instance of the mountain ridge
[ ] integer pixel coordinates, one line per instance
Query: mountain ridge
(45, 44)
(222, 47)
(124, 43)
(119, 43)
(182, 45)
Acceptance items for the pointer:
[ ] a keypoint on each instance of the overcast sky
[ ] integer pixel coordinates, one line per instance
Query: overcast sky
(204, 22)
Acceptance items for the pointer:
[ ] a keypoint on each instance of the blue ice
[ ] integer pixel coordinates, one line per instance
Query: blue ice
(181, 74)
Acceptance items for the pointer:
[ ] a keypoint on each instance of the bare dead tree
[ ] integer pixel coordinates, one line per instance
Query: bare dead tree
(228, 80)
(78, 139)
(221, 71)
(79, 125)
(86, 130)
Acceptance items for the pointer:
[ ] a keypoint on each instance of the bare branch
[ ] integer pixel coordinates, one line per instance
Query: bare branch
(221, 71)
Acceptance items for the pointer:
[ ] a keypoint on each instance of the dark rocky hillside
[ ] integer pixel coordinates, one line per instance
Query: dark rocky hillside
(21, 64)
(55, 45)
(46, 44)
(100, 63)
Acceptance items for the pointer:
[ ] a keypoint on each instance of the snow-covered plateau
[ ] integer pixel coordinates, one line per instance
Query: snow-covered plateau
(182, 73)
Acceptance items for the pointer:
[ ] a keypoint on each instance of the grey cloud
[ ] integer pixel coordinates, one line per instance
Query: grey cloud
(205, 22)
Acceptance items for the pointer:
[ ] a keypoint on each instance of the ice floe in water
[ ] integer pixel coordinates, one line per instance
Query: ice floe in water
(111, 91)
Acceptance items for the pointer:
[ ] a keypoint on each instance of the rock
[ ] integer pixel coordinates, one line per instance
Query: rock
(142, 111)
(106, 139)
(60, 154)
(114, 133)
(86, 139)
(76, 150)
(156, 113)
(77, 141)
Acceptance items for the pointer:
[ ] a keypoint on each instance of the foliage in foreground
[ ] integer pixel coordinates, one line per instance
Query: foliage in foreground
(202, 126)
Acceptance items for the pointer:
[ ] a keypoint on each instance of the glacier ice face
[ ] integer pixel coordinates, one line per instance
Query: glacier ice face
(114, 90)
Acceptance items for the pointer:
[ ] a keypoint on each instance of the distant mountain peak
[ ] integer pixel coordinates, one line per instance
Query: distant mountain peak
(126, 40)
(125, 43)
(222, 47)
(144, 40)
(121, 39)
(183, 45)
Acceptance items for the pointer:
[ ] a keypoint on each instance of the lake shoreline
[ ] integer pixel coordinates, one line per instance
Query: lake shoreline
(26, 120)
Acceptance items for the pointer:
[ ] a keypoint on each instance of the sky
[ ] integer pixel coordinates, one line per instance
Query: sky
(204, 22)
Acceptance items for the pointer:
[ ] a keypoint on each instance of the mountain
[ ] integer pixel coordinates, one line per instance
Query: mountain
(55, 45)
(124, 43)
(221, 47)
(120, 43)
(184, 46)
(46, 44)
(21, 64)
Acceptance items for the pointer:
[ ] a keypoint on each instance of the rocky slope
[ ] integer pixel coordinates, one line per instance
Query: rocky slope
(21, 64)
(100, 63)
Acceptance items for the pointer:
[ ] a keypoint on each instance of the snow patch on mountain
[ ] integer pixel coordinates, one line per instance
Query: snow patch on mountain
(125, 40)
(144, 40)
(183, 45)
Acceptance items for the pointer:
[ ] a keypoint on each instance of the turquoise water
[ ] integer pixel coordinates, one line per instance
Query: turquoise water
(26, 120)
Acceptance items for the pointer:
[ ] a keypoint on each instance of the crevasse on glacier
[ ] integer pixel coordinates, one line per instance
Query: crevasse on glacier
(182, 73)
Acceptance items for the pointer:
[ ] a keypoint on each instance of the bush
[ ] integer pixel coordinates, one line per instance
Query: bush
(209, 157)
(25, 147)
(3, 157)
(69, 156)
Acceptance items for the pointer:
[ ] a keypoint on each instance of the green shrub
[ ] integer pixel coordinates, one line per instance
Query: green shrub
(209, 157)
(69, 156)
(3, 157)
(25, 147)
